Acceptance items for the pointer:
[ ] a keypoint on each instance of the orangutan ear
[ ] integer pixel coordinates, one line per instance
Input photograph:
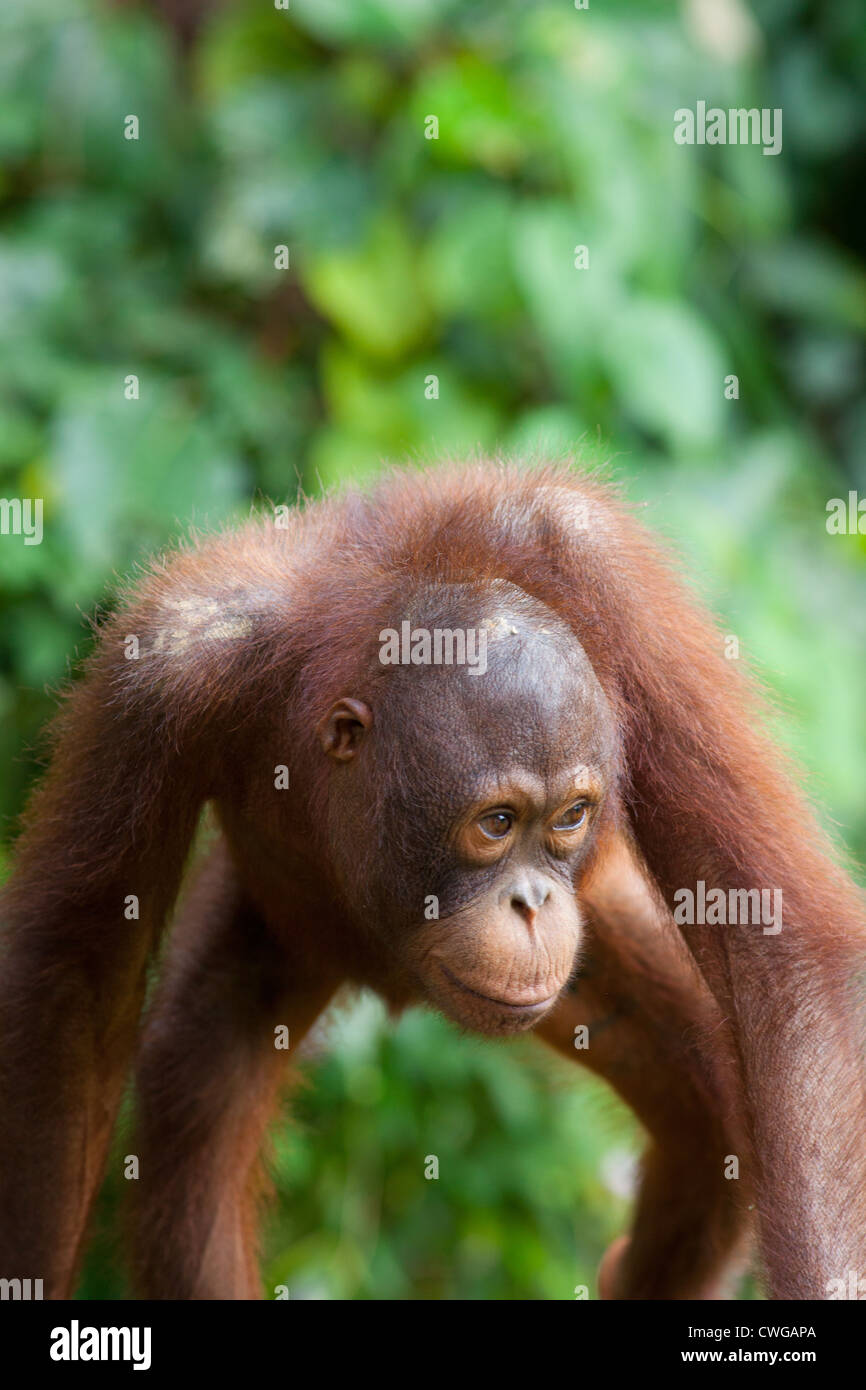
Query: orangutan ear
(343, 728)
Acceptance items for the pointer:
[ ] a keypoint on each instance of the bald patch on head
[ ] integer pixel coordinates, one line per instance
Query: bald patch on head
(578, 512)
(188, 622)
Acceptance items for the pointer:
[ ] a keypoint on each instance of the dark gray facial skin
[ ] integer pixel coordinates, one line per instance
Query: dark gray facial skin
(487, 789)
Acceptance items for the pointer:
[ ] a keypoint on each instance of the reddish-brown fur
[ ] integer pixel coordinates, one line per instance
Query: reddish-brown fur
(765, 1059)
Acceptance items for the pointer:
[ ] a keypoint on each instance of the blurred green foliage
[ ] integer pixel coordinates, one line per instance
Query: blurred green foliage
(454, 257)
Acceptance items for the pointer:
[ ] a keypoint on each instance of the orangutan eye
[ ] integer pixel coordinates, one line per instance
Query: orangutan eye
(574, 817)
(497, 825)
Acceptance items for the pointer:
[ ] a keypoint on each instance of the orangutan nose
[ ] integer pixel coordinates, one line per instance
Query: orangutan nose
(527, 895)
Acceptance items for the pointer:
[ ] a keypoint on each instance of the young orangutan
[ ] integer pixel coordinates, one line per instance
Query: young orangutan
(496, 839)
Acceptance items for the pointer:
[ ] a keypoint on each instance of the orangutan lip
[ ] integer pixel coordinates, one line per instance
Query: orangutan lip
(501, 1003)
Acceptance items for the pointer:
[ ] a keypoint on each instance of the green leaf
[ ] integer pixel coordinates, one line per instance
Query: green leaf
(668, 369)
(374, 295)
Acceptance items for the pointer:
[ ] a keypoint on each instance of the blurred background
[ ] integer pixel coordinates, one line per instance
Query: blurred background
(411, 257)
